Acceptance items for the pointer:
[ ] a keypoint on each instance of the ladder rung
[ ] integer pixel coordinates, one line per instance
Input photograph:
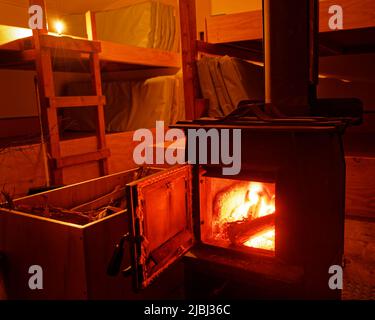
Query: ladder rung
(70, 44)
(70, 161)
(77, 101)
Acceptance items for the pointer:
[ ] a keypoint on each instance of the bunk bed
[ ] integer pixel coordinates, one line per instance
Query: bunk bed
(69, 161)
(239, 36)
(245, 30)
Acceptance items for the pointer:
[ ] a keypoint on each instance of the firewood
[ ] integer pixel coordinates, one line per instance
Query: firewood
(9, 204)
(108, 199)
(240, 231)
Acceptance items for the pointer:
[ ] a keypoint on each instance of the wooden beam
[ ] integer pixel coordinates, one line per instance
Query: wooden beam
(66, 43)
(48, 112)
(100, 123)
(357, 14)
(235, 27)
(138, 74)
(17, 58)
(222, 50)
(78, 159)
(140, 56)
(189, 56)
(249, 25)
(91, 26)
(78, 101)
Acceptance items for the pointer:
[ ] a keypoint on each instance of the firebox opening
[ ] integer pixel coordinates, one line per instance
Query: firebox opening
(238, 214)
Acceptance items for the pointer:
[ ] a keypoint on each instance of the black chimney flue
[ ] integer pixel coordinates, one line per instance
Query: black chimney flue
(291, 56)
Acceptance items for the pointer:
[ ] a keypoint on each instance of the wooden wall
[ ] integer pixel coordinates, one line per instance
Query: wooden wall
(230, 6)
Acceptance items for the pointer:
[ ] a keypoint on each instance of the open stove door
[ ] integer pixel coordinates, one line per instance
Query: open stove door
(161, 228)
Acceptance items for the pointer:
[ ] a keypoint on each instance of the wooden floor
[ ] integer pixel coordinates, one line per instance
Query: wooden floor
(359, 274)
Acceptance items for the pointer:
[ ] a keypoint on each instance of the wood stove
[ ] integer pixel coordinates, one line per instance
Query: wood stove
(280, 220)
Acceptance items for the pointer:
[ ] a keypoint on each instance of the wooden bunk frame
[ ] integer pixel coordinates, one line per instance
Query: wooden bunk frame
(46, 53)
(246, 29)
(240, 35)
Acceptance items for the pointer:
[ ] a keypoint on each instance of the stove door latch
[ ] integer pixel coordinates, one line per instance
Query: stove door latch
(114, 265)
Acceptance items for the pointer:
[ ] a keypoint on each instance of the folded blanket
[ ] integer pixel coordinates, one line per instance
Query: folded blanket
(226, 81)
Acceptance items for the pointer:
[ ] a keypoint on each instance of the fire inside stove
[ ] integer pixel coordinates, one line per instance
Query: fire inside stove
(243, 214)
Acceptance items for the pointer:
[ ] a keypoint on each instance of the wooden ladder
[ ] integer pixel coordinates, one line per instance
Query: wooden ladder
(50, 103)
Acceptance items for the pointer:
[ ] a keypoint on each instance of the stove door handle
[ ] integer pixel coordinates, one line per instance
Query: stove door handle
(114, 265)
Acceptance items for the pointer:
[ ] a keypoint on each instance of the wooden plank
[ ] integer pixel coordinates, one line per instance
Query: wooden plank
(66, 43)
(232, 51)
(91, 26)
(357, 14)
(235, 27)
(51, 245)
(15, 45)
(189, 56)
(74, 160)
(18, 59)
(48, 112)
(100, 126)
(249, 25)
(138, 74)
(78, 101)
(102, 201)
(140, 56)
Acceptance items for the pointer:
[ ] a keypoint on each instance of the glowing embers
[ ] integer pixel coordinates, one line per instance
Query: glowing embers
(244, 215)
(264, 240)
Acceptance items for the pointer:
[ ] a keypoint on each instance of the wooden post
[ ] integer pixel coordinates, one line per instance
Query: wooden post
(46, 90)
(91, 26)
(42, 4)
(100, 125)
(189, 56)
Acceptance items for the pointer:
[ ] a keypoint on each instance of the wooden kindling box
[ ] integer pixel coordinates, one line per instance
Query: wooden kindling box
(74, 257)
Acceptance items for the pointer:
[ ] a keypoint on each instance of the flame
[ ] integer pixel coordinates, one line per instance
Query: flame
(252, 202)
(264, 240)
(244, 202)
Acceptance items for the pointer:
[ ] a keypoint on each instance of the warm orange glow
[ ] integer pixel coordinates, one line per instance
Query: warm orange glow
(59, 26)
(244, 203)
(252, 202)
(264, 240)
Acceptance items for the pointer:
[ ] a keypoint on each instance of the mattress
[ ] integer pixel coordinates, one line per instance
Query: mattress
(148, 25)
(131, 105)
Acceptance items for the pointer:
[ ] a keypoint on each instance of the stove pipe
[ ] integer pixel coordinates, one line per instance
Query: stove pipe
(291, 54)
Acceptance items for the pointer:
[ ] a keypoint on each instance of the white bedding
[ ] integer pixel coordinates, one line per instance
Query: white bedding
(149, 25)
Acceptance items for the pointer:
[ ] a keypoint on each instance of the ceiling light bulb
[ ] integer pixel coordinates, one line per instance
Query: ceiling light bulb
(59, 27)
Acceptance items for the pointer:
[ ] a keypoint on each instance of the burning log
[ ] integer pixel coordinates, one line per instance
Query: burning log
(240, 231)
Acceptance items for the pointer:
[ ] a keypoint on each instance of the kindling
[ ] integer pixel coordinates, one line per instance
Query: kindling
(169, 147)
